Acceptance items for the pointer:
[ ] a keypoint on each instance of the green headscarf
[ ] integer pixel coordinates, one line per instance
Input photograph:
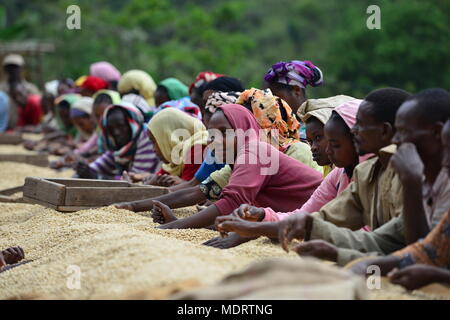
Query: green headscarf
(70, 98)
(175, 88)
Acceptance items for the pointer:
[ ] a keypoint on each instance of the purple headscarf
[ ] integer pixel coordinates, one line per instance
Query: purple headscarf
(295, 73)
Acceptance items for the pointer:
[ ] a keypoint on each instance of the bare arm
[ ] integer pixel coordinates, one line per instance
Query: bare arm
(202, 219)
(178, 199)
(187, 184)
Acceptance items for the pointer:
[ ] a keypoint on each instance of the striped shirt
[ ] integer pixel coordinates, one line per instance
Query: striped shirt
(144, 160)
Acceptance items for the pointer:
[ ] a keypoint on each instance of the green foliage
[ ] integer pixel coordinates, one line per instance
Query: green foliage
(243, 38)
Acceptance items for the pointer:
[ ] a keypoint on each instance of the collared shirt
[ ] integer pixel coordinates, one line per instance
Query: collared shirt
(390, 237)
(373, 198)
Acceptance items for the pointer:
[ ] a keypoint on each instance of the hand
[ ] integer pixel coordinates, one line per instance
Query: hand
(167, 180)
(293, 227)
(407, 163)
(250, 213)
(317, 248)
(30, 144)
(414, 276)
(232, 223)
(137, 177)
(2, 261)
(126, 177)
(231, 241)
(56, 164)
(84, 171)
(124, 205)
(12, 255)
(161, 213)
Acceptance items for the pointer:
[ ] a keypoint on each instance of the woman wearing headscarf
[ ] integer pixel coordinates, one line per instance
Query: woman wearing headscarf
(315, 113)
(200, 81)
(179, 141)
(173, 93)
(220, 84)
(281, 182)
(63, 105)
(182, 191)
(107, 72)
(341, 151)
(170, 89)
(81, 114)
(288, 80)
(138, 82)
(91, 85)
(126, 142)
(274, 116)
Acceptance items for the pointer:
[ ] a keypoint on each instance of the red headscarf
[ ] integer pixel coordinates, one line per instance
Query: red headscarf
(94, 83)
(203, 77)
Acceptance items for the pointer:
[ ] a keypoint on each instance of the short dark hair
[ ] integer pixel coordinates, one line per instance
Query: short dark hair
(385, 103)
(432, 104)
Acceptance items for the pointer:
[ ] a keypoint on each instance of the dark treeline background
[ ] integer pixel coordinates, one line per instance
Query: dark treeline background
(243, 38)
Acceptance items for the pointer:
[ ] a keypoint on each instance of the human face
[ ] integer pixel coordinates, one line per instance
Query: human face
(156, 147)
(64, 114)
(294, 98)
(369, 135)
(48, 103)
(161, 96)
(317, 141)
(13, 71)
(411, 128)
(118, 128)
(99, 109)
(85, 124)
(340, 148)
(219, 139)
(197, 98)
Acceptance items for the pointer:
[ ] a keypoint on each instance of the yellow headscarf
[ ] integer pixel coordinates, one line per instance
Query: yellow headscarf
(138, 80)
(172, 146)
(321, 108)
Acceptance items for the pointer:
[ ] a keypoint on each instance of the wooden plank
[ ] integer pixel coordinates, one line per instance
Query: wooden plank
(39, 202)
(102, 196)
(44, 190)
(10, 138)
(11, 191)
(88, 183)
(40, 160)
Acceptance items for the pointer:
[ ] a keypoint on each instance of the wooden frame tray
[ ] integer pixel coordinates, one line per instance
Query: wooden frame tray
(68, 195)
(5, 195)
(40, 160)
(10, 138)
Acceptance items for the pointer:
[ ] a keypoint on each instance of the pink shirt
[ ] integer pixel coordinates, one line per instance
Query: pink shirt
(287, 188)
(88, 145)
(333, 184)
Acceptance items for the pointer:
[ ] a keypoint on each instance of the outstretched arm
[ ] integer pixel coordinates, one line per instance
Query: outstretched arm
(178, 199)
(202, 219)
